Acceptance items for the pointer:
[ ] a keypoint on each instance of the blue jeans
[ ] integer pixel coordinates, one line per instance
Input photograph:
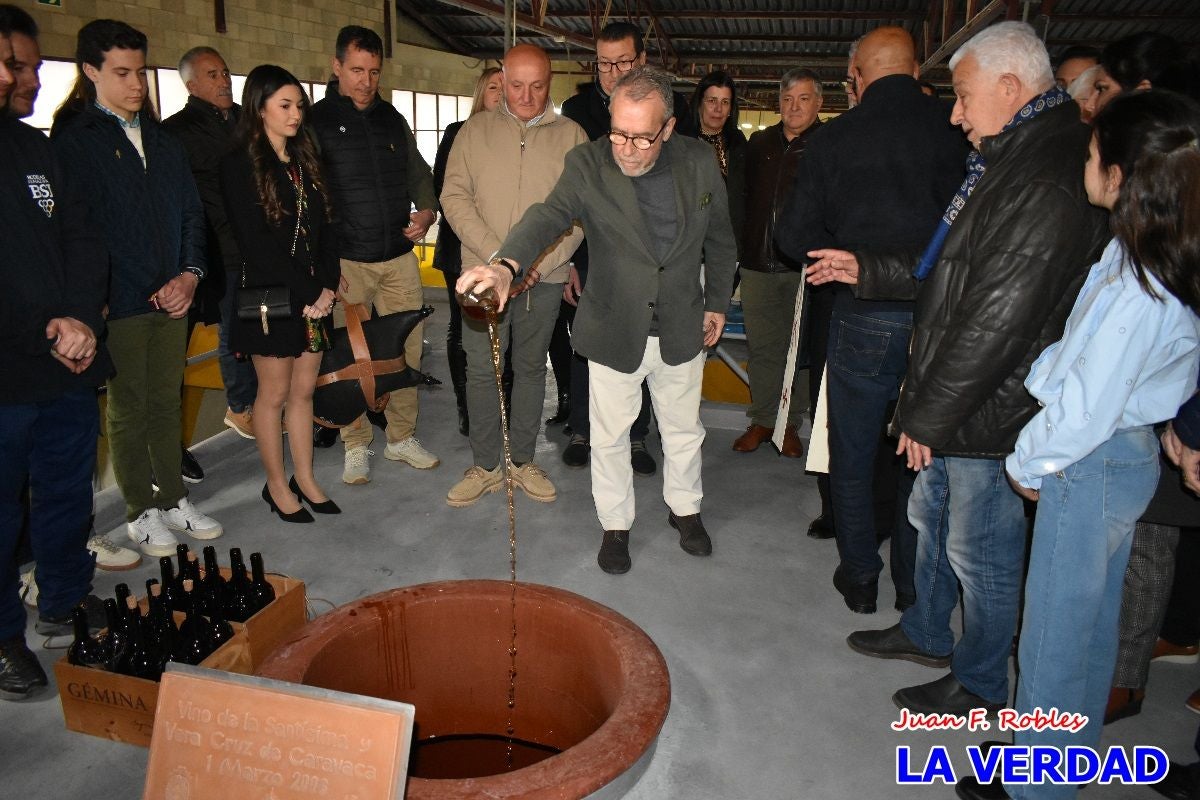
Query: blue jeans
(52, 445)
(970, 532)
(868, 356)
(1081, 542)
(241, 384)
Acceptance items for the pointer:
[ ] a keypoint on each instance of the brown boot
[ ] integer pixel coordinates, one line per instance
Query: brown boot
(792, 446)
(749, 441)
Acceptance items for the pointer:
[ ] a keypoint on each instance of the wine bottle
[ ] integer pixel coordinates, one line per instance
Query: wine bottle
(191, 647)
(179, 603)
(119, 638)
(261, 590)
(213, 586)
(143, 661)
(121, 592)
(219, 629)
(167, 570)
(84, 651)
(160, 625)
(240, 606)
(111, 636)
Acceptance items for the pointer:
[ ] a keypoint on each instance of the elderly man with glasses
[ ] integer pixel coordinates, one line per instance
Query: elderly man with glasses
(656, 212)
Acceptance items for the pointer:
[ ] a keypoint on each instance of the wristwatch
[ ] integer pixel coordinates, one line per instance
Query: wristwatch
(199, 273)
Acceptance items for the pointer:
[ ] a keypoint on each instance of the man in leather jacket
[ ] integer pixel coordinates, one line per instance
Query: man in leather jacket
(1015, 249)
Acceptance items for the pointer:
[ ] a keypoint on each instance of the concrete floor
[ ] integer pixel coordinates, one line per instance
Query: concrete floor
(767, 700)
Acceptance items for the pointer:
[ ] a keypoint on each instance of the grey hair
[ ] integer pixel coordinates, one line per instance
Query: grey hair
(1010, 47)
(189, 59)
(642, 82)
(796, 75)
(854, 47)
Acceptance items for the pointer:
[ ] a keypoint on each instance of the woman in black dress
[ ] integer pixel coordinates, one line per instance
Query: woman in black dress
(279, 210)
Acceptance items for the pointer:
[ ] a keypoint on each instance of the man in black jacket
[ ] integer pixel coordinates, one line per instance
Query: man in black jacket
(996, 285)
(206, 127)
(770, 279)
(858, 189)
(54, 271)
(375, 175)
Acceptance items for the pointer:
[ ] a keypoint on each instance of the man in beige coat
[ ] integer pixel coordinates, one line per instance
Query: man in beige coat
(503, 162)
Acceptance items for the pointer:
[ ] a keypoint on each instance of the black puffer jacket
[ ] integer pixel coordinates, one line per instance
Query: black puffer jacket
(1000, 294)
(373, 172)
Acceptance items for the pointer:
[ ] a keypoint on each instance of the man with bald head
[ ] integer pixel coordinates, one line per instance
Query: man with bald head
(504, 161)
(996, 283)
(875, 178)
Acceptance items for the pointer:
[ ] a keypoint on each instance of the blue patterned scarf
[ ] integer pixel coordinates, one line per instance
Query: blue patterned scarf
(976, 166)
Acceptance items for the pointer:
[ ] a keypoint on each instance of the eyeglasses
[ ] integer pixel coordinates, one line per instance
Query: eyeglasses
(640, 142)
(622, 66)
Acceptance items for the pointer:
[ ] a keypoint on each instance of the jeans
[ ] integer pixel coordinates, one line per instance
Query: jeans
(53, 446)
(868, 356)
(970, 533)
(1081, 542)
(241, 383)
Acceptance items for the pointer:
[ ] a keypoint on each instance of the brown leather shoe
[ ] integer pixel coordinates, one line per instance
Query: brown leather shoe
(749, 441)
(792, 446)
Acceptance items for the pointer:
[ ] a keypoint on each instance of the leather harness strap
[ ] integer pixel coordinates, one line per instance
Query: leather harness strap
(363, 369)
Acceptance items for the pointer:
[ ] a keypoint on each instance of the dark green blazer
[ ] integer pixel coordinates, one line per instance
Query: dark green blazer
(626, 283)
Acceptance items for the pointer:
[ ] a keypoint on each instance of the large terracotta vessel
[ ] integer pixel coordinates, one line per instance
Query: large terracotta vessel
(589, 681)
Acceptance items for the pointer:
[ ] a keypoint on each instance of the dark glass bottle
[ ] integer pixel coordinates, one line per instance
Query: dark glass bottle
(144, 661)
(191, 646)
(121, 592)
(167, 571)
(112, 638)
(160, 625)
(261, 590)
(119, 637)
(178, 602)
(240, 606)
(478, 306)
(219, 629)
(214, 587)
(84, 651)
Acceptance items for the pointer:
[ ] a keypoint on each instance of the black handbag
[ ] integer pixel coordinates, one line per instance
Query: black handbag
(264, 303)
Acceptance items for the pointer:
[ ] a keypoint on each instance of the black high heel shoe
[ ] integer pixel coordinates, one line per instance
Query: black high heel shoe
(296, 516)
(328, 507)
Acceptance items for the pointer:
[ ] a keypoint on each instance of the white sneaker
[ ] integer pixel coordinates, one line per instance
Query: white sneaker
(412, 453)
(357, 469)
(29, 588)
(150, 534)
(112, 556)
(189, 519)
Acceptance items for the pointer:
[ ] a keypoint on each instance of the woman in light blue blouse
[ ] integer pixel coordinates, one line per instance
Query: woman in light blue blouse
(1127, 360)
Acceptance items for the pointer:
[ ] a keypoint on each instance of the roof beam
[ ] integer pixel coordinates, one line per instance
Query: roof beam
(495, 11)
(430, 22)
(969, 28)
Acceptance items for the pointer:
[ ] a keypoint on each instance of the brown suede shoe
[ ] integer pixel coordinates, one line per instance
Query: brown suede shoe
(792, 446)
(1122, 703)
(749, 441)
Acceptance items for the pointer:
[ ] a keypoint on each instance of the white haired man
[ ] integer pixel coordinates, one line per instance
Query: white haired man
(996, 285)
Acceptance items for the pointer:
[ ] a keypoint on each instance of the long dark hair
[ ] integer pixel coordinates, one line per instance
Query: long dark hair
(92, 43)
(261, 84)
(1154, 138)
(729, 133)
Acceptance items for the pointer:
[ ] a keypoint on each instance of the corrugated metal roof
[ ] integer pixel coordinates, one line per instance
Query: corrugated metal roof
(756, 40)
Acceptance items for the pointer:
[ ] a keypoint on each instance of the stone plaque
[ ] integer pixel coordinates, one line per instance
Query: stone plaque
(220, 735)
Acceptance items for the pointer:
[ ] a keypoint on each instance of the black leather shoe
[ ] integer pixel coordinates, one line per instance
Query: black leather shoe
(640, 459)
(820, 528)
(190, 468)
(860, 597)
(943, 696)
(614, 553)
(324, 437)
(969, 788)
(563, 411)
(21, 676)
(1182, 782)
(327, 507)
(692, 536)
(893, 643)
(577, 452)
(904, 602)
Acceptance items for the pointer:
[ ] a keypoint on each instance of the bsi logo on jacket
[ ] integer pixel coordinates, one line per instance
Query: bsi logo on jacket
(42, 193)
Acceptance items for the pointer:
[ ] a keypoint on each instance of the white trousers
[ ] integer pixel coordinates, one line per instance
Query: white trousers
(615, 400)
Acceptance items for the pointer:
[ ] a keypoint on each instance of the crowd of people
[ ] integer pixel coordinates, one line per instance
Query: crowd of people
(1001, 291)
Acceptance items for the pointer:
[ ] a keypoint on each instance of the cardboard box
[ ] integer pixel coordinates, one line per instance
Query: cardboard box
(121, 707)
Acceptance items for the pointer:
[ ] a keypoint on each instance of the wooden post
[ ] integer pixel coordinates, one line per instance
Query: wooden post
(219, 16)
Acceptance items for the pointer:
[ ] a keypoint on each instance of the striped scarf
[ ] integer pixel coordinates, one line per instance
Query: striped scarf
(976, 166)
